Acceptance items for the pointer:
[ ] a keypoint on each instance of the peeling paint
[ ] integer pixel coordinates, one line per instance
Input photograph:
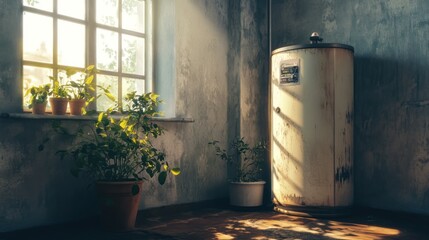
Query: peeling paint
(293, 199)
(343, 174)
(349, 117)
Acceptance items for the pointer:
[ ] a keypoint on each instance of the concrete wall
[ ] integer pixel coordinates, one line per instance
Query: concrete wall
(390, 38)
(248, 70)
(201, 61)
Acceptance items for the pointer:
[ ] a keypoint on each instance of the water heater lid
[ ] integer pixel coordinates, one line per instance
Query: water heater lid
(317, 45)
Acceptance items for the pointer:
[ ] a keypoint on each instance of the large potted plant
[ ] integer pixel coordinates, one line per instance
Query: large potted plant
(246, 186)
(81, 88)
(119, 155)
(38, 98)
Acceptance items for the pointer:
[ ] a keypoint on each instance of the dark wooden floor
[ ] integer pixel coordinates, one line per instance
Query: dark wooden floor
(225, 223)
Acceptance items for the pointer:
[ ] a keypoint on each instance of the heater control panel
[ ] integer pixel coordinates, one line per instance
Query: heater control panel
(289, 72)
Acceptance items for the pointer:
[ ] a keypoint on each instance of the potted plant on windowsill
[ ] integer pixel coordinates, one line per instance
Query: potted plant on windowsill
(81, 88)
(38, 98)
(60, 97)
(246, 187)
(119, 155)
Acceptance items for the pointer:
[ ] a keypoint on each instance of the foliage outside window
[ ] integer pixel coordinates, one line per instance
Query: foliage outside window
(110, 34)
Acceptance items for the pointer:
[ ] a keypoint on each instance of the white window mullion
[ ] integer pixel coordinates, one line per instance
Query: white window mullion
(91, 39)
(90, 33)
(149, 50)
(120, 52)
(55, 39)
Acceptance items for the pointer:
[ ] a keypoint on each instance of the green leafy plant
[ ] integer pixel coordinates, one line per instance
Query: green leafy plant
(58, 90)
(81, 87)
(245, 160)
(118, 149)
(78, 85)
(38, 94)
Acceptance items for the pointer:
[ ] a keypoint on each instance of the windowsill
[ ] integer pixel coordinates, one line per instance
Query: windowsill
(87, 118)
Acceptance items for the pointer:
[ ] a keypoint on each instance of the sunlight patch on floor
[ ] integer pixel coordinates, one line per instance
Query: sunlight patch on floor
(332, 229)
(223, 236)
(340, 230)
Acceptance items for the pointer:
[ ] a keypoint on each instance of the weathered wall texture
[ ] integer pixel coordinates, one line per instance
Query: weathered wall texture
(201, 61)
(253, 70)
(200, 78)
(390, 38)
(37, 188)
(10, 55)
(253, 59)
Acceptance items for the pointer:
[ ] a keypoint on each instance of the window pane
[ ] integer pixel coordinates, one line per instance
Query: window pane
(111, 82)
(131, 85)
(72, 8)
(133, 15)
(71, 44)
(39, 4)
(107, 50)
(107, 12)
(37, 30)
(34, 76)
(133, 54)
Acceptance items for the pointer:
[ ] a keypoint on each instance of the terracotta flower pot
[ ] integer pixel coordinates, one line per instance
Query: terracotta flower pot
(39, 108)
(58, 105)
(119, 203)
(76, 106)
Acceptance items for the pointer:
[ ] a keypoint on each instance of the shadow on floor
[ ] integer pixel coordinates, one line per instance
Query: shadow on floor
(226, 223)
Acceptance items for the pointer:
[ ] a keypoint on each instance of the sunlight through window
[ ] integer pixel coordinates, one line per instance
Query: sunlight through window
(76, 33)
(72, 8)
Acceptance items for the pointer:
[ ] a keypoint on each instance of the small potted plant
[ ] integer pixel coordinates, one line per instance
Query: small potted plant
(246, 187)
(59, 97)
(38, 98)
(119, 155)
(81, 89)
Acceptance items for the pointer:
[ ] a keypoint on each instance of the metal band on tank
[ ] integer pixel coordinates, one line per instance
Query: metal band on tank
(318, 45)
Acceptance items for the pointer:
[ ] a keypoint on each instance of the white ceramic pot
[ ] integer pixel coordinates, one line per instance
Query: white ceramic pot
(246, 194)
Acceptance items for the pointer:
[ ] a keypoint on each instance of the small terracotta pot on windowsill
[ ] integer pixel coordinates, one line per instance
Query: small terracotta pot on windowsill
(39, 108)
(76, 106)
(58, 105)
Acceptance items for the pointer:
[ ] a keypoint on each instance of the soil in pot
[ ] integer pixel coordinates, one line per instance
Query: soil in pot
(58, 105)
(39, 108)
(76, 106)
(119, 203)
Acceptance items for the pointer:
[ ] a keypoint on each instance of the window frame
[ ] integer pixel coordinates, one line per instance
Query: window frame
(91, 27)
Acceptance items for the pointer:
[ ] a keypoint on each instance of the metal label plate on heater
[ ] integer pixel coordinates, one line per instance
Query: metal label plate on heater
(289, 72)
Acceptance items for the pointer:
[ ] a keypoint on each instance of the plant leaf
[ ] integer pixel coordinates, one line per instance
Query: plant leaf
(90, 67)
(135, 189)
(100, 117)
(162, 177)
(70, 71)
(89, 79)
(110, 96)
(175, 171)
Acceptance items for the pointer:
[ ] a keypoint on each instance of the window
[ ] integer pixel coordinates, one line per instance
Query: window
(111, 34)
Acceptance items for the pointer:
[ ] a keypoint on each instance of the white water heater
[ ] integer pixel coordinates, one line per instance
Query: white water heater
(312, 128)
